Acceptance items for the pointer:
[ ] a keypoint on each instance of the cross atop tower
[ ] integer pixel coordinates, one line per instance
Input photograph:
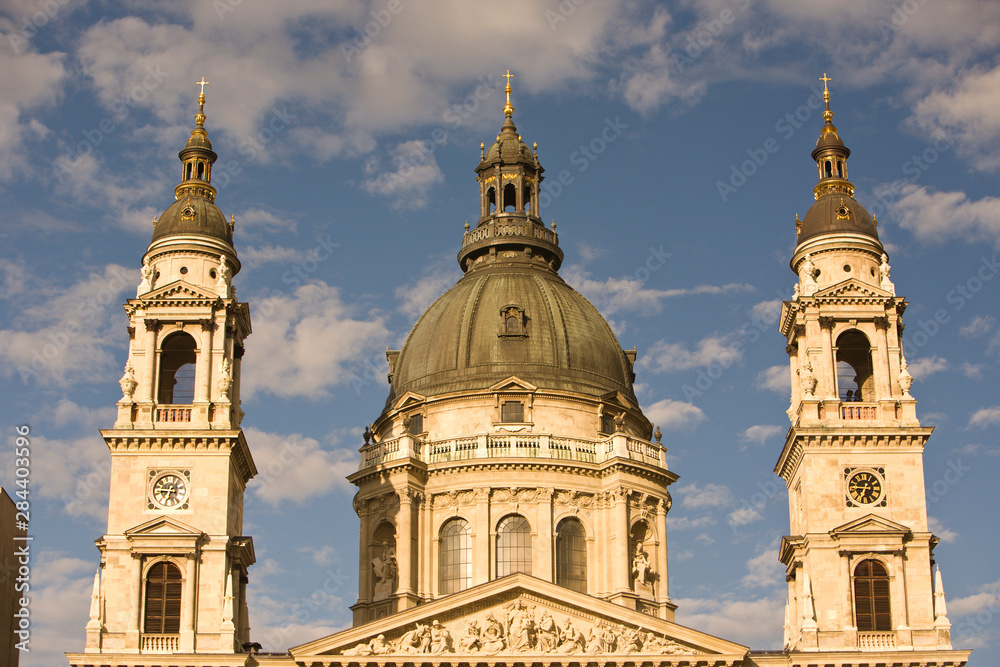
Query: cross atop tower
(202, 83)
(508, 109)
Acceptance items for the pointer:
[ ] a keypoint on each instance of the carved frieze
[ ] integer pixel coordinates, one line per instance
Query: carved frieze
(385, 503)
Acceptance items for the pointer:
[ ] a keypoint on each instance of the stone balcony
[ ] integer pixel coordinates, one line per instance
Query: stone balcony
(513, 445)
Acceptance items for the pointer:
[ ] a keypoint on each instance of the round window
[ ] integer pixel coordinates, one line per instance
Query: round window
(184, 270)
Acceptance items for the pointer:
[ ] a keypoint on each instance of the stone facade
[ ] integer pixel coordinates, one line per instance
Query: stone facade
(512, 496)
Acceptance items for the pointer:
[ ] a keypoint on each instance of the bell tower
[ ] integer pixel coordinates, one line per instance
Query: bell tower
(174, 560)
(859, 557)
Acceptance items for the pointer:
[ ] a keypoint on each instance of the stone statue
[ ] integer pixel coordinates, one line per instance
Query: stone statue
(572, 640)
(148, 278)
(807, 379)
(546, 633)
(222, 283)
(385, 565)
(640, 567)
(492, 641)
(225, 381)
(807, 277)
(883, 270)
(520, 629)
(415, 641)
(440, 639)
(619, 422)
(470, 641)
(128, 382)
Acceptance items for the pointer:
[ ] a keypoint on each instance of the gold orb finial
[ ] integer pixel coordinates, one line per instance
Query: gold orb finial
(827, 114)
(200, 118)
(508, 109)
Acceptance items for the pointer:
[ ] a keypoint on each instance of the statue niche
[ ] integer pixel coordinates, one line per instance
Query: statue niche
(384, 566)
(643, 574)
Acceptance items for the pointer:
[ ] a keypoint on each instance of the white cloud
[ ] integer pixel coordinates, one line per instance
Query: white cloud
(295, 467)
(254, 256)
(744, 515)
(976, 449)
(972, 371)
(416, 297)
(927, 366)
(312, 340)
(764, 569)
(324, 555)
(409, 180)
(758, 434)
(774, 378)
(70, 336)
(755, 621)
(935, 526)
(665, 357)
(936, 217)
(987, 596)
(74, 473)
(687, 523)
(709, 495)
(670, 414)
(61, 587)
(985, 417)
(977, 326)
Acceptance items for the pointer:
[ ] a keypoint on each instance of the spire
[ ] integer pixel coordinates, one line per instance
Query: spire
(197, 156)
(830, 153)
(508, 109)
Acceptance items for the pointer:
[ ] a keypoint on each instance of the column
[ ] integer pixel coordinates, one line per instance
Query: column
(620, 567)
(135, 601)
(829, 387)
(404, 541)
(187, 601)
(545, 553)
(364, 561)
(481, 538)
(884, 386)
(203, 369)
(149, 395)
(663, 585)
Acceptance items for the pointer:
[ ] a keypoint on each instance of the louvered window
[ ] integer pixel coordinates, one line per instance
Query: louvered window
(163, 599)
(871, 597)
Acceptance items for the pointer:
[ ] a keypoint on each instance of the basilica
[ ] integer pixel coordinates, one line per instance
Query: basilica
(512, 495)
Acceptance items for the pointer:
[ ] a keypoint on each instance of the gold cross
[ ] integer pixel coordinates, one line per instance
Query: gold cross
(825, 79)
(202, 83)
(508, 75)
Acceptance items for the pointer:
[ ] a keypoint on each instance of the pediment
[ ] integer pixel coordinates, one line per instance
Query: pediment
(524, 616)
(869, 524)
(852, 287)
(408, 399)
(513, 383)
(179, 291)
(163, 526)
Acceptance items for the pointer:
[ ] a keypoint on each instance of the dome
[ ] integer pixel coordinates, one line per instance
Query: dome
(509, 147)
(837, 213)
(459, 344)
(193, 215)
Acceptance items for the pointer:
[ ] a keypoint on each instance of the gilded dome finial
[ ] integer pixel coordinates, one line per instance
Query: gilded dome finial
(200, 118)
(827, 114)
(508, 109)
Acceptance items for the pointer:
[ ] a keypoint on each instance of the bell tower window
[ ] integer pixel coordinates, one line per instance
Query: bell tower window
(163, 600)
(871, 597)
(855, 379)
(571, 555)
(509, 197)
(177, 370)
(491, 200)
(201, 171)
(513, 546)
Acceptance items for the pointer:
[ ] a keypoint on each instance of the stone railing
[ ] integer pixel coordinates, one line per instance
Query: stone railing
(876, 641)
(854, 411)
(173, 414)
(512, 445)
(160, 643)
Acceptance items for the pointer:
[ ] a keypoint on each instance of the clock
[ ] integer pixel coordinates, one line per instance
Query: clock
(865, 486)
(169, 490)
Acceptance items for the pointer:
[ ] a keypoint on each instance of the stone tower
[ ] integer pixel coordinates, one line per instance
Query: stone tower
(174, 560)
(511, 441)
(859, 557)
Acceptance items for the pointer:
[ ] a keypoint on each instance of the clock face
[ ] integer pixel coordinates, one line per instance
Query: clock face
(169, 490)
(864, 487)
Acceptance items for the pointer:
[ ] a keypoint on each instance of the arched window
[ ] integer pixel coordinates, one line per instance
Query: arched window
(526, 193)
(513, 546)
(177, 364)
(509, 197)
(871, 597)
(571, 555)
(855, 380)
(163, 600)
(201, 170)
(189, 171)
(829, 169)
(491, 200)
(455, 557)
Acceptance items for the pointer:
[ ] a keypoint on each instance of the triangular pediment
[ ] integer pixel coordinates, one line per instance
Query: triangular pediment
(523, 616)
(162, 525)
(408, 399)
(852, 287)
(870, 524)
(513, 383)
(179, 290)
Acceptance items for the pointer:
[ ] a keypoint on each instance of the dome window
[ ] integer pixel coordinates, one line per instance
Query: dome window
(188, 213)
(509, 197)
(512, 322)
(512, 412)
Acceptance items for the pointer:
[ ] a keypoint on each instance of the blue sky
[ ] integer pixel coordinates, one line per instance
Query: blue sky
(679, 135)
